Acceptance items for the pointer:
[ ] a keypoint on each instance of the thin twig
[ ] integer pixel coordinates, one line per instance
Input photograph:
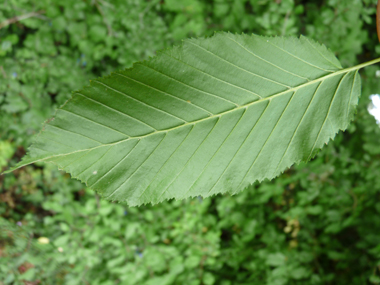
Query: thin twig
(285, 22)
(354, 198)
(109, 28)
(378, 19)
(201, 264)
(97, 201)
(3, 71)
(20, 18)
(146, 10)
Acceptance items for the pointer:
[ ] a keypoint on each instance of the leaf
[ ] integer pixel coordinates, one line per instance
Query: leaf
(210, 116)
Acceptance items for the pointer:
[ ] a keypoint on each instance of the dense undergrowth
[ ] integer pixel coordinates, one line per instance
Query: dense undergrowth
(319, 223)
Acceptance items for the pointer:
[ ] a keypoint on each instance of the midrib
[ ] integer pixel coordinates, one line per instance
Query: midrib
(342, 71)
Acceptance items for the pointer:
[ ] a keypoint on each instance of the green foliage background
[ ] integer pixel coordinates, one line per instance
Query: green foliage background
(318, 223)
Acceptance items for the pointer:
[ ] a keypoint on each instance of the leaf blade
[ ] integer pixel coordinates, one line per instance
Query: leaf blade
(200, 119)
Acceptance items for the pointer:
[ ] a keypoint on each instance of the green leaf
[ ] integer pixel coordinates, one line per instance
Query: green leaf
(210, 116)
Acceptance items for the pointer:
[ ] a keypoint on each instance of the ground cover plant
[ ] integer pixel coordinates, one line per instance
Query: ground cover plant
(316, 224)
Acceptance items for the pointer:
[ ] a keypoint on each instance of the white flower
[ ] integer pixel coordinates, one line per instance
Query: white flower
(43, 240)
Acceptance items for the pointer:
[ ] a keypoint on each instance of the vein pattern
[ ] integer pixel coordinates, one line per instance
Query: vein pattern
(210, 116)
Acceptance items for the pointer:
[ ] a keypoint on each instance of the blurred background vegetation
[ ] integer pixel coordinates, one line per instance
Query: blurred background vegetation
(318, 223)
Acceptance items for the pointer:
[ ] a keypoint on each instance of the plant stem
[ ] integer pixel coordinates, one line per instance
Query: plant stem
(378, 19)
(360, 66)
(20, 18)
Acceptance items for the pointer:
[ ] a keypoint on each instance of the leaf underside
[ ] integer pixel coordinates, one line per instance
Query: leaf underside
(210, 116)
